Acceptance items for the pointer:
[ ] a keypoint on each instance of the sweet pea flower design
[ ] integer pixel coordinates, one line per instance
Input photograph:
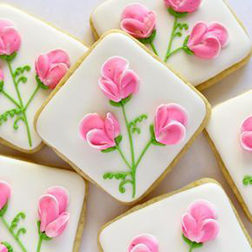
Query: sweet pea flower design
(206, 41)
(199, 224)
(144, 243)
(98, 132)
(51, 67)
(183, 5)
(3, 248)
(10, 39)
(52, 214)
(246, 134)
(119, 84)
(140, 23)
(170, 122)
(5, 193)
(118, 81)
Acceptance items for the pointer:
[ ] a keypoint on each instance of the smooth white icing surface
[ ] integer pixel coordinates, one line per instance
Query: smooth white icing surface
(195, 70)
(37, 37)
(163, 220)
(58, 124)
(224, 129)
(28, 182)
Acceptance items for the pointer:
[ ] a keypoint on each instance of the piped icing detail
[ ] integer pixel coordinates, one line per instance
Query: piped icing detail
(12, 228)
(206, 41)
(53, 215)
(120, 84)
(50, 68)
(199, 224)
(140, 23)
(246, 134)
(183, 6)
(144, 243)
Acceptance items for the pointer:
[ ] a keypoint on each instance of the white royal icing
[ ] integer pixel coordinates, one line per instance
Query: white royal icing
(58, 123)
(37, 37)
(28, 182)
(195, 70)
(163, 220)
(224, 129)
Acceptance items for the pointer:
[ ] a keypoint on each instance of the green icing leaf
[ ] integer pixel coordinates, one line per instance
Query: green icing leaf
(9, 57)
(109, 150)
(1, 85)
(189, 242)
(16, 220)
(41, 84)
(150, 39)
(247, 180)
(3, 210)
(155, 142)
(177, 14)
(42, 235)
(126, 100)
(115, 104)
(118, 139)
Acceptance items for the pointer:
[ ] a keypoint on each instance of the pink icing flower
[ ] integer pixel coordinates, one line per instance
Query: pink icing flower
(138, 21)
(51, 67)
(3, 248)
(5, 193)
(246, 134)
(206, 41)
(170, 122)
(183, 5)
(118, 81)
(98, 132)
(199, 223)
(144, 243)
(10, 40)
(52, 211)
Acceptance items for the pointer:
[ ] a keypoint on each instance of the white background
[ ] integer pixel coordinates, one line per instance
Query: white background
(73, 16)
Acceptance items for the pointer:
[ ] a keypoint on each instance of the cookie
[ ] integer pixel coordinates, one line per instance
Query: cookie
(198, 217)
(123, 118)
(229, 133)
(41, 208)
(199, 36)
(34, 57)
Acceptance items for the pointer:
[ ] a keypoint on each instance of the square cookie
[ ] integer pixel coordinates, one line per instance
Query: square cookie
(34, 57)
(199, 36)
(122, 119)
(41, 208)
(198, 217)
(230, 142)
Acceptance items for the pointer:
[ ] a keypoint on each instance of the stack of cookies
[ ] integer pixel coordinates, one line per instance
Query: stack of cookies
(122, 113)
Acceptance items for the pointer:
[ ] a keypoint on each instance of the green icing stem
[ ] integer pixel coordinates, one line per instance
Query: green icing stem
(153, 48)
(143, 152)
(10, 98)
(31, 98)
(123, 156)
(39, 243)
(13, 234)
(191, 247)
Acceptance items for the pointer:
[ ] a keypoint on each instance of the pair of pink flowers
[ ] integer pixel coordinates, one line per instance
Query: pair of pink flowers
(199, 225)
(50, 67)
(246, 134)
(52, 208)
(117, 83)
(205, 41)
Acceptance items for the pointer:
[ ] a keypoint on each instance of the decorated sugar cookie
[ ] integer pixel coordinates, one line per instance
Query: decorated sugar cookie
(190, 36)
(34, 57)
(40, 207)
(127, 118)
(229, 133)
(192, 219)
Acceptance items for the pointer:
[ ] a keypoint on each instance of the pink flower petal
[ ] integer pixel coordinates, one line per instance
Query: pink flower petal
(246, 140)
(90, 122)
(112, 126)
(48, 210)
(134, 27)
(201, 210)
(129, 83)
(209, 48)
(135, 11)
(220, 31)
(171, 134)
(42, 66)
(98, 139)
(197, 34)
(114, 67)
(183, 5)
(144, 243)
(110, 89)
(2, 47)
(161, 118)
(11, 40)
(3, 248)
(247, 124)
(5, 193)
(62, 195)
(58, 56)
(189, 227)
(177, 113)
(209, 231)
(55, 74)
(5, 23)
(56, 228)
